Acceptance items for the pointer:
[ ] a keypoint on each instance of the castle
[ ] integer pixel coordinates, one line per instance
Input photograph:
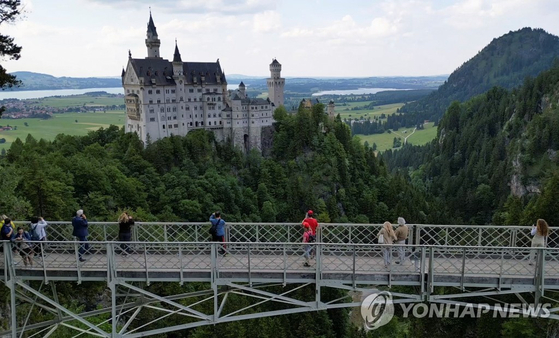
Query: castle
(165, 98)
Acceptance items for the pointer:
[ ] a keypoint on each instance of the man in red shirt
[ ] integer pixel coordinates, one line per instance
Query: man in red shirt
(311, 221)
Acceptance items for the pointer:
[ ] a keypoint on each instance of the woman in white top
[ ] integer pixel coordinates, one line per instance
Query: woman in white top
(540, 231)
(37, 232)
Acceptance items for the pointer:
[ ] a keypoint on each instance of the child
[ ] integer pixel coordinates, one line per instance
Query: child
(308, 237)
(25, 250)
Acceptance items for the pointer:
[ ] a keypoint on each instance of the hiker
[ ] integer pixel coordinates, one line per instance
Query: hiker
(311, 221)
(540, 231)
(8, 230)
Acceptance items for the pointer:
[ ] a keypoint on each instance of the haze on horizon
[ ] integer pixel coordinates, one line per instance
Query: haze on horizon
(311, 38)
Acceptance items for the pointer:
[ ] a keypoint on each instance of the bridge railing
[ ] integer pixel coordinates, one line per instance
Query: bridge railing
(60, 260)
(444, 235)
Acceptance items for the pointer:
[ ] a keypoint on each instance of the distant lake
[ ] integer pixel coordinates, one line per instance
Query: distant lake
(357, 91)
(37, 94)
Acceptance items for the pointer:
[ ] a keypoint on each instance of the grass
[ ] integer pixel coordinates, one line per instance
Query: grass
(387, 109)
(385, 141)
(59, 124)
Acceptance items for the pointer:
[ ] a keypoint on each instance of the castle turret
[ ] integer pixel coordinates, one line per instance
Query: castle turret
(275, 84)
(152, 40)
(331, 109)
(242, 90)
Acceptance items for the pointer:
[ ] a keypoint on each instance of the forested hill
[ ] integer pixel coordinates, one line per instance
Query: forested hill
(495, 158)
(505, 62)
(38, 81)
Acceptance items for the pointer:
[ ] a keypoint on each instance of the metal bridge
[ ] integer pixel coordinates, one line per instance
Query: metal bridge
(264, 263)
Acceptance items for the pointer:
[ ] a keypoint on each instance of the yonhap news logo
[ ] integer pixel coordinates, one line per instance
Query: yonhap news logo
(377, 309)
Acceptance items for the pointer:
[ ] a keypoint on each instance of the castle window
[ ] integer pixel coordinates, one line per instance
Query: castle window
(210, 123)
(150, 91)
(174, 117)
(162, 109)
(166, 91)
(158, 101)
(152, 119)
(150, 101)
(172, 91)
(163, 126)
(189, 99)
(219, 98)
(208, 99)
(215, 90)
(168, 109)
(151, 110)
(168, 118)
(181, 99)
(157, 91)
(194, 99)
(207, 90)
(167, 100)
(195, 107)
(252, 122)
(128, 91)
(191, 90)
(176, 125)
(219, 122)
(174, 109)
(187, 107)
(199, 90)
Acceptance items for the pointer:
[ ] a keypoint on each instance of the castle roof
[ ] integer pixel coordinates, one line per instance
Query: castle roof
(275, 62)
(177, 56)
(151, 26)
(158, 71)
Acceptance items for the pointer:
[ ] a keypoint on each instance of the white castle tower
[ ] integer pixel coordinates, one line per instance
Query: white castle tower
(275, 84)
(152, 40)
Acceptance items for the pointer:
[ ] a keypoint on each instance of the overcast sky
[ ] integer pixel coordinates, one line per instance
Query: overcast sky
(310, 38)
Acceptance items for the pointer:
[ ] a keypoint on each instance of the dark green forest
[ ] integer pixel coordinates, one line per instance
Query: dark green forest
(506, 62)
(494, 160)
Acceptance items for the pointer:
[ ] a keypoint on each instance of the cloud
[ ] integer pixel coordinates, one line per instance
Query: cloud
(229, 7)
(266, 22)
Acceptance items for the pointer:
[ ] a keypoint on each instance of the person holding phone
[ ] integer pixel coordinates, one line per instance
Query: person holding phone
(79, 222)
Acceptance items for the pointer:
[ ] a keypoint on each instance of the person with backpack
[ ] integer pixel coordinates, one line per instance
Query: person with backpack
(217, 230)
(37, 233)
(25, 249)
(308, 237)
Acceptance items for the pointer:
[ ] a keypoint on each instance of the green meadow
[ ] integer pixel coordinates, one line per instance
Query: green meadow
(346, 112)
(79, 100)
(385, 141)
(59, 124)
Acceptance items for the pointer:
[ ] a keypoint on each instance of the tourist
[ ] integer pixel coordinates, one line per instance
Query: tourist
(386, 237)
(79, 222)
(401, 237)
(8, 230)
(311, 221)
(540, 231)
(25, 249)
(308, 237)
(218, 230)
(37, 232)
(125, 223)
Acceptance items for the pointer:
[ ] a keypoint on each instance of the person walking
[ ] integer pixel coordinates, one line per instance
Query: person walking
(125, 223)
(401, 232)
(540, 231)
(38, 233)
(79, 222)
(308, 238)
(386, 237)
(7, 230)
(218, 231)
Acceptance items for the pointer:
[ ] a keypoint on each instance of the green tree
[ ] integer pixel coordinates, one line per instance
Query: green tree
(10, 10)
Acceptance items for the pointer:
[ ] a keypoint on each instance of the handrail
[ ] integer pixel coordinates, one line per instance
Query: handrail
(451, 235)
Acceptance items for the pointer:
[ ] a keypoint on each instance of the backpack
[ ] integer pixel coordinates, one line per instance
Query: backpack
(34, 233)
(213, 228)
(311, 238)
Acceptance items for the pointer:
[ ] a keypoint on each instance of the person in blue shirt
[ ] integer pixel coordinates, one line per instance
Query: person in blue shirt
(219, 234)
(79, 222)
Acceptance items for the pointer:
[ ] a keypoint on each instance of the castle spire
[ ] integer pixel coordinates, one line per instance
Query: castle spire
(177, 56)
